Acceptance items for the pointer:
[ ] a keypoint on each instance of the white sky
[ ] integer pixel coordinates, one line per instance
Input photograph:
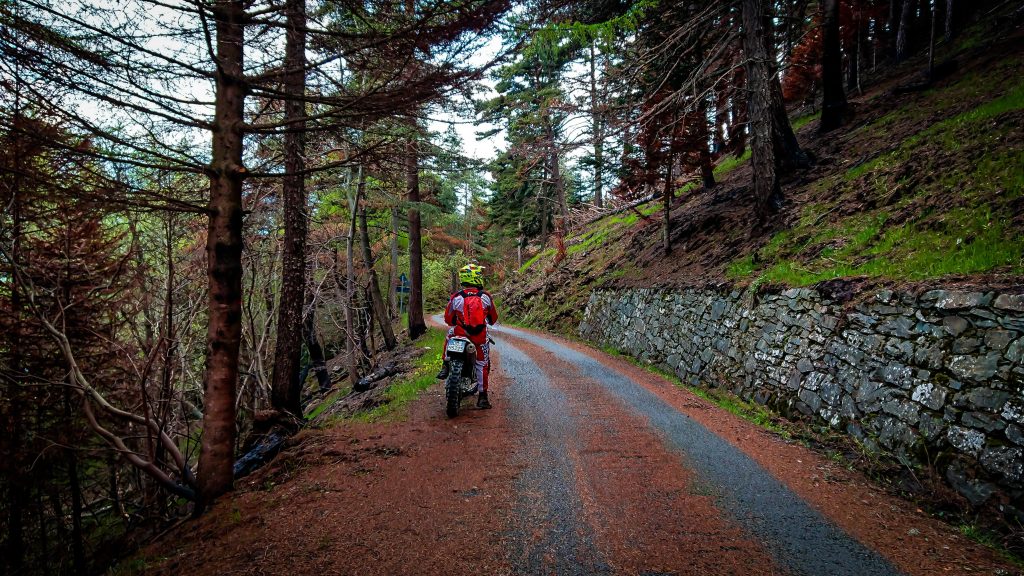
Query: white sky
(485, 149)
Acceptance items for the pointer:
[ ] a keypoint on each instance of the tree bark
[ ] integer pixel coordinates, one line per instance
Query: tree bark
(393, 301)
(554, 168)
(931, 41)
(417, 325)
(350, 288)
(14, 426)
(853, 65)
(773, 144)
(707, 172)
(224, 259)
(380, 311)
(950, 23)
(597, 129)
(316, 351)
(904, 30)
(667, 208)
(286, 390)
(739, 125)
(833, 102)
(341, 293)
(75, 486)
(542, 208)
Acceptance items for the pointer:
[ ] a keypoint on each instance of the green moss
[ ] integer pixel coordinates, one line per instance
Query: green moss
(749, 411)
(682, 191)
(955, 216)
(730, 163)
(627, 219)
(962, 241)
(542, 254)
(327, 402)
(992, 541)
(741, 268)
(802, 121)
(591, 239)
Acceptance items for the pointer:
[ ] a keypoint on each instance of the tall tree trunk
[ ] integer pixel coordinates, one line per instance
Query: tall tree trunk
(931, 40)
(950, 23)
(224, 259)
(350, 290)
(597, 129)
(706, 170)
(316, 351)
(833, 102)
(43, 539)
(721, 120)
(380, 311)
(75, 487)
(666, 197)
(393, 301)
(773, 144)
(170, 342)
(904, 30)
(554, 168)
(417, 324)
(738, 104)
(855, 50)
(341, 293)
(14, 425)
(286, 390)
(542, 208)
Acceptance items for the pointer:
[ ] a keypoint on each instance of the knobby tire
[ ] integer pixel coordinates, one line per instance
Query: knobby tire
(451, 388)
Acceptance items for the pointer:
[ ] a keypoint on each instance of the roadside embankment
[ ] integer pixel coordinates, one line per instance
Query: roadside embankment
(936, 378)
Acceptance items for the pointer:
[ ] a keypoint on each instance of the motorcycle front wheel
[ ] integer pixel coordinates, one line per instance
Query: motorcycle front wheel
(452, 392)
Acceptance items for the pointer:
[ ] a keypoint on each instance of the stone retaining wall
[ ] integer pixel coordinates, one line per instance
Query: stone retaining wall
(936, 377)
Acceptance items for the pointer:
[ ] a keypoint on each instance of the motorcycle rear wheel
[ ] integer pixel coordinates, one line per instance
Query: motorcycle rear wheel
(452, 391)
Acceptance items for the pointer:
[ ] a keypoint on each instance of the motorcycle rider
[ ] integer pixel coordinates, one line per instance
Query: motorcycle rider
(469, 311)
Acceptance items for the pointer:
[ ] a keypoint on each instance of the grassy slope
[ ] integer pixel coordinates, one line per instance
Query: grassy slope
(919, 186)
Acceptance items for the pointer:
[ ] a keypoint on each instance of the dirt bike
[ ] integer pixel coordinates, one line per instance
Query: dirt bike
(461, 380)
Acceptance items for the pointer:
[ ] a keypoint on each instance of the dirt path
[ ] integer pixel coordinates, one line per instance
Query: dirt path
(586, 465)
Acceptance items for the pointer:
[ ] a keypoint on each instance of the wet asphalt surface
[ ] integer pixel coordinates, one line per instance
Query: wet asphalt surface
(548, 533)
(550, 536)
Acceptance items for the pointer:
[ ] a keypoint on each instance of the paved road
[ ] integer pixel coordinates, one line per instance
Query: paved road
(715, 509)
(586, 465)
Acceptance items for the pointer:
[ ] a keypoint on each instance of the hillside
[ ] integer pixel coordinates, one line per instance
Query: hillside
(916, 186)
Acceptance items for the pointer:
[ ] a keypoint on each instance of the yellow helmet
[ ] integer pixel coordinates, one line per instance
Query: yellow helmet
(472, 275)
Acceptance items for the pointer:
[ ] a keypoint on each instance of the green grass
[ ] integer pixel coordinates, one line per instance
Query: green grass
(422, 377)
(741, 268)
(961, 241)
(928, 212)
(682, 191)
(730, 163)
(542, 254)
(802, 121)
(990, 540)
(592, 238)
(750, 411)
(327, 402)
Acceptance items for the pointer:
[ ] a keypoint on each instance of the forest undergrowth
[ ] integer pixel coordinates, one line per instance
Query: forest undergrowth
(915, 189)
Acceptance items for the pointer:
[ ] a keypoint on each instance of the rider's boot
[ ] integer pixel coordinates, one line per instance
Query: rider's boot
(443, 374)
(481, 401)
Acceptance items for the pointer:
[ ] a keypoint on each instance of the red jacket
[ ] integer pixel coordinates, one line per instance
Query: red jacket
(453, 313)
